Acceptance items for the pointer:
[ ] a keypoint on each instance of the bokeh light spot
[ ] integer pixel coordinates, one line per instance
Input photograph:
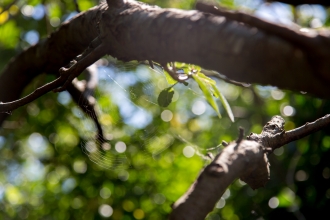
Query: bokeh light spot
(188, 151)
(80, 166)
(55, 22)
(27, 10)
(32, 37)
(273, 203)
(221, 203)
(120, 147)
(277, 94)
(288, 111)
(326, 173)
(159, 198)
(198, 107)
(301, 176)
(138, 213)
(166, 115)
(105, 192)
(279, 151)
(105, 210)
(128, 206)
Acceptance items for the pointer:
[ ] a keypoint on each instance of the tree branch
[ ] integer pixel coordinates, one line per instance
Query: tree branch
(246, 159)
(82, 94)
(301, 2)
(244, 50)
(237, 159)
(273, 135)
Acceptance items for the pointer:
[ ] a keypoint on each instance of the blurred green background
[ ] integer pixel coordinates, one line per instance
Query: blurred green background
(50, 168)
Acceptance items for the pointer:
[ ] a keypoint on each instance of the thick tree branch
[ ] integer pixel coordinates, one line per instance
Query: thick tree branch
(246, 159)
(237, 159)
(243, 50)
(301, 2)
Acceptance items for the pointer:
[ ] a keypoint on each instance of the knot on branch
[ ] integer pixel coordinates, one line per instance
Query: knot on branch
(270, 137)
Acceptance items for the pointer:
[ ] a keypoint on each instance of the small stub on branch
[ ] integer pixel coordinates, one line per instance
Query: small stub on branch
(269, 137)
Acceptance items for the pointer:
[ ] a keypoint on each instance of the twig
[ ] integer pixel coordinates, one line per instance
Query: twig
(10, 106)
(174, 74)
(92, 54)
(306, 129)
(224, 78)
(240, 135)
(95, 51)
(244, 159)
(273, 135)
(81, 93)
(76, 6)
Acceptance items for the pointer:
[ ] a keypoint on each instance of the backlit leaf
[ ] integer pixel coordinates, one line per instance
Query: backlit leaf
(224, 102)
(206, 89)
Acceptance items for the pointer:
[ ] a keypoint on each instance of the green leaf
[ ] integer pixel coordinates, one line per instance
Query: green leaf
(206, 89)
(205, 78)
(169, 78)
(165, 97)
(224, 102)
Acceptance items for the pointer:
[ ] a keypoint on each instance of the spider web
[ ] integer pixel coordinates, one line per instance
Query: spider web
(126, 106)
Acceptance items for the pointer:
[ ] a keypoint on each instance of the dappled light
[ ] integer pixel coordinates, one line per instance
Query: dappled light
(129, 137)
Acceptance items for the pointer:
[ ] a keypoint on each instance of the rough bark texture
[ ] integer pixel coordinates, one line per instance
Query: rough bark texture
(48, 55)
(244, 159)
(135, 31)
(241, 47)
(301, 2)
(235, 160)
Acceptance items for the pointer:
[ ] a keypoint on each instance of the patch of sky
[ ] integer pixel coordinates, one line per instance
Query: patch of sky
(2, 191)
(126, 79)
(69, 16)
(275, 12)
(316, 11)
(104, 72)
(77, 112)
(132, 114)
(13, 175)
(32, 37)
(68, 185)
(33, 169)
(139, 119)
(38, 12)
(2, 141)
(37, 143)
(143, 73)
(64, 98)
(265, 91)
(248, 3)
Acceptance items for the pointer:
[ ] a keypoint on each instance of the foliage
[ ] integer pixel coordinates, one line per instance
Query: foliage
(155, 151)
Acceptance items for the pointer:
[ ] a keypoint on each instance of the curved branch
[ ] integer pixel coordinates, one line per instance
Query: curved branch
(301, 2)
(243, 50)
(274, 136)
(246, 159)
(243, 159)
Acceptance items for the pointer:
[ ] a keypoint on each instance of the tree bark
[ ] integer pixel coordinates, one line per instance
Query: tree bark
(135, 31)
(301, 2)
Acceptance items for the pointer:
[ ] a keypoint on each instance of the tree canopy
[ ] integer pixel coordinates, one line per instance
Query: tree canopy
(125, 141)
